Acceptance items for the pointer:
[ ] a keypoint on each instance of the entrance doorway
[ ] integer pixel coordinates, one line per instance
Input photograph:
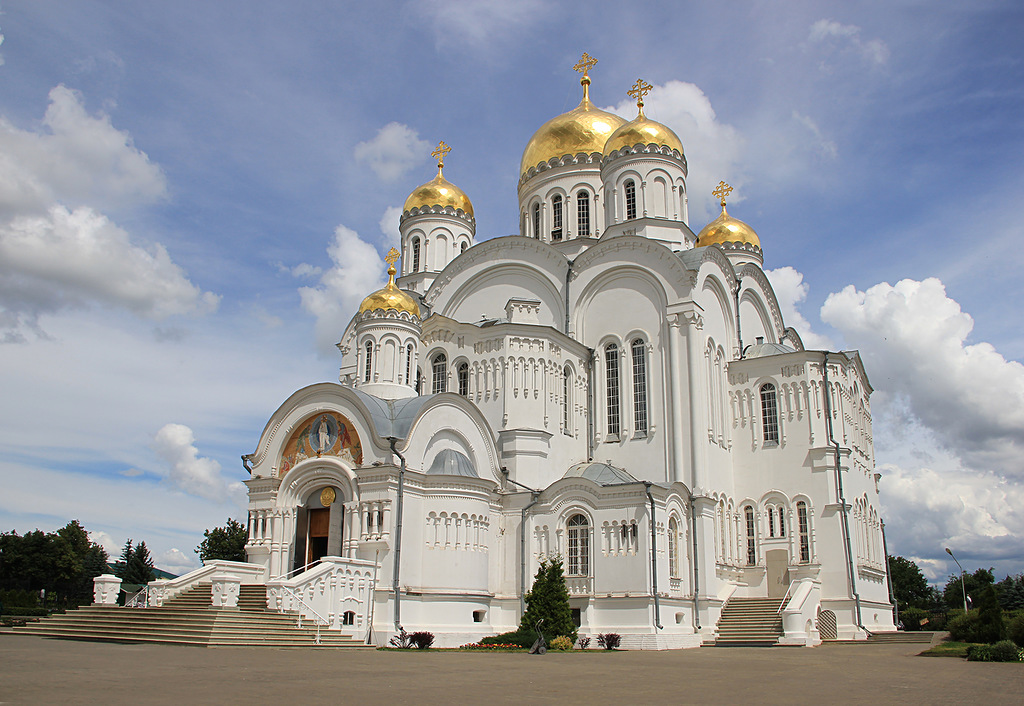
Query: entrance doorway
(319, 531)
(318, 527)
(777, 569)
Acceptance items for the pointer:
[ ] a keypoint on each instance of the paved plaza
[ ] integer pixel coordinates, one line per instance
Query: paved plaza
(39, 671)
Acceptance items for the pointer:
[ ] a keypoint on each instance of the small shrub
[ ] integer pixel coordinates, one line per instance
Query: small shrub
(524, 638)
(1005, 651)
(26, 612)
(1015, 629)
(912, 617)
(584, 643)
(609, 640)
(18, 598)
(422, 640)
(401, 640)
(963, 627)
(560, 643)
(979, 653)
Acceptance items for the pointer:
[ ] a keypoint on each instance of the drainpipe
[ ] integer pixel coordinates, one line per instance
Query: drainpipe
(696, 564)
(590, 405)
(654, 561)
(736, 297)
(839, 489)
(534, 497)
(568, 274)
(888, 576)
(398, 536)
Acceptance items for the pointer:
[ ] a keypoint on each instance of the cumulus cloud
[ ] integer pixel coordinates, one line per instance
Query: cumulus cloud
(913, 338)
(824, 146)
(357, 271)
(395, 150)
(847, 37)
(389, 223)
(477, 22)
(188, 471)
(176, 561)
(112, 548)
(791, 291)
(712, 147)
(301, 270)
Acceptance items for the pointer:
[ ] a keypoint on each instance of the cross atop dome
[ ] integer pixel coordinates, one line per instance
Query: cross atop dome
(439, 154)
(640, 89)
(721, 191)
(584, 65)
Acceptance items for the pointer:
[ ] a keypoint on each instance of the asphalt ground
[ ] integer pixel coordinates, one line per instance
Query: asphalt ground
(35, 670)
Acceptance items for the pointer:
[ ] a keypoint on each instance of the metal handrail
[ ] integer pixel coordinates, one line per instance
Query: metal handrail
(783, 604)
(139, 599)
(310, 609)
(295, 571)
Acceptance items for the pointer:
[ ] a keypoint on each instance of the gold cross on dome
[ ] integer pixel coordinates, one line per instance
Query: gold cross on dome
(640, 89)
(721, 191)
(440, 152)
(392, 256)
(585, 64)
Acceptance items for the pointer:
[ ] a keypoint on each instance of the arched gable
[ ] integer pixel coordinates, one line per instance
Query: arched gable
(752, 273)
(462, 428)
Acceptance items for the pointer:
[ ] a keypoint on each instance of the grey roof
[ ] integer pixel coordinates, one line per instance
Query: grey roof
(452, 463)
(763, 350)
(600, 473)
(392, 417)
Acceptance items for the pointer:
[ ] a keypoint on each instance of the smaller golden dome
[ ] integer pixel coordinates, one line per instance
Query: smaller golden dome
(641, 130)
(726, 229)
(439, 191)
(390, 298)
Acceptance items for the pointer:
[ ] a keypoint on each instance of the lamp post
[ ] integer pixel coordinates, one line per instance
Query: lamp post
(963, 579)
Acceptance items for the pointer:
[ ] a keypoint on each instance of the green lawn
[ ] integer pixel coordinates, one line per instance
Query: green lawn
(948, 649)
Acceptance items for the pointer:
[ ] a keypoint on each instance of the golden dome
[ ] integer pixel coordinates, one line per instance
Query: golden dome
(584, 129)
(390, 298)
(725, 228)
(641, 130)
(439, 191)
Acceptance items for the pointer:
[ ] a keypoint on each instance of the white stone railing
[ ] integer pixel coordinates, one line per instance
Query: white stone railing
(800, 612)
(162, 590)
(327, 592)
(580, 586)
(105, 588)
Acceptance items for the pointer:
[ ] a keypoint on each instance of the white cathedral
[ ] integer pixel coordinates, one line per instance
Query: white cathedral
(606, 387)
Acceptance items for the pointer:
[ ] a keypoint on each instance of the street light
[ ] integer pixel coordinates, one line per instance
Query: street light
(963, 579)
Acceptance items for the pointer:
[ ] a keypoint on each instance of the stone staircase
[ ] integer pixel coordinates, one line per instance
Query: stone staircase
(189, 619)
(915, 637)
(750, 622)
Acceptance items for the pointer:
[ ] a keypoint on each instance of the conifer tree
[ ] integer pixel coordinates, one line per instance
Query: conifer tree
(548, 600)
(990, 626)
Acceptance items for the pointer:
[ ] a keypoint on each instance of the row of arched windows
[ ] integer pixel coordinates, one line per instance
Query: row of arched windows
(624, 538)
(739, 532)
(559, 218)
(417, 262)
(613, 388)
(390, 373)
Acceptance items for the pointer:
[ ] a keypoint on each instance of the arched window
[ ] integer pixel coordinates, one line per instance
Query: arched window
(579, 546)
(369, 362)
(583, 213)
(465, 246)
(536, 220)
(769, 414)
(748, 513)
(782, 522)
(415, 254)
(630, 189)
(464, 379)
(639, 351)
(348, 618)
(673, 548)
(804, 530)
(439, 368)
(611, 369)
(556, 218)
(771, 521)
(408, 364)
(566, 401)
(419, 381)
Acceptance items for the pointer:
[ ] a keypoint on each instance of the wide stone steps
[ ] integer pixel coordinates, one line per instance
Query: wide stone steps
(915, 637)
(750, 622)
(190, 620)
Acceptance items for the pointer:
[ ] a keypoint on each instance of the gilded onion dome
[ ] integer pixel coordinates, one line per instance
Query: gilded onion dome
(641, 130)
(391, 298)
(725, 229)
(583, 130)
(439, 191)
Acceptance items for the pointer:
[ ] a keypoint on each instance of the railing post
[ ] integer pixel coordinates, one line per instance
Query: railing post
(105, 588)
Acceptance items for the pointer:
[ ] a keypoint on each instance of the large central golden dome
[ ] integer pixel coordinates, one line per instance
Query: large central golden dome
(584, 129)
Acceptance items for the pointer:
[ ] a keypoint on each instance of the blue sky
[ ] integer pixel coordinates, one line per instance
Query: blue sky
(194, 196)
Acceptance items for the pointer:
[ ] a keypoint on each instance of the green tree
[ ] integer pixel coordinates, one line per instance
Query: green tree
(909, 586)
(136, 565)
(990, 626)
(61, 563)
(1011, 592)
(548, 600)
(953, 595)
(227, 543)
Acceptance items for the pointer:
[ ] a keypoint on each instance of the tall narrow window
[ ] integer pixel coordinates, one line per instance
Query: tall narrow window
(464, 379)
(769, 414)
(408, 364)
(556, 218)
(416, 255)
(440, 374)
(804, 530)
(579, 546)
(639, 386)
(583, 213)
(630, 188)
(536, 220)
(771, 521)
(611, 369)
(748, 513)
(566, 401)
(782, 522)
(673, 548)
(465, 246)
(369, 362)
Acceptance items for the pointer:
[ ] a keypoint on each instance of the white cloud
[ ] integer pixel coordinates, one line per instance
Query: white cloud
(913, 338)
(874, 51)
(176, 561)
(824, 146)
(395, 150)
(478, 22)
(112, 548)
(357, 272)
(791, 291)
(713, 148)
(189, 472)
(300, 271)
(389, 226)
